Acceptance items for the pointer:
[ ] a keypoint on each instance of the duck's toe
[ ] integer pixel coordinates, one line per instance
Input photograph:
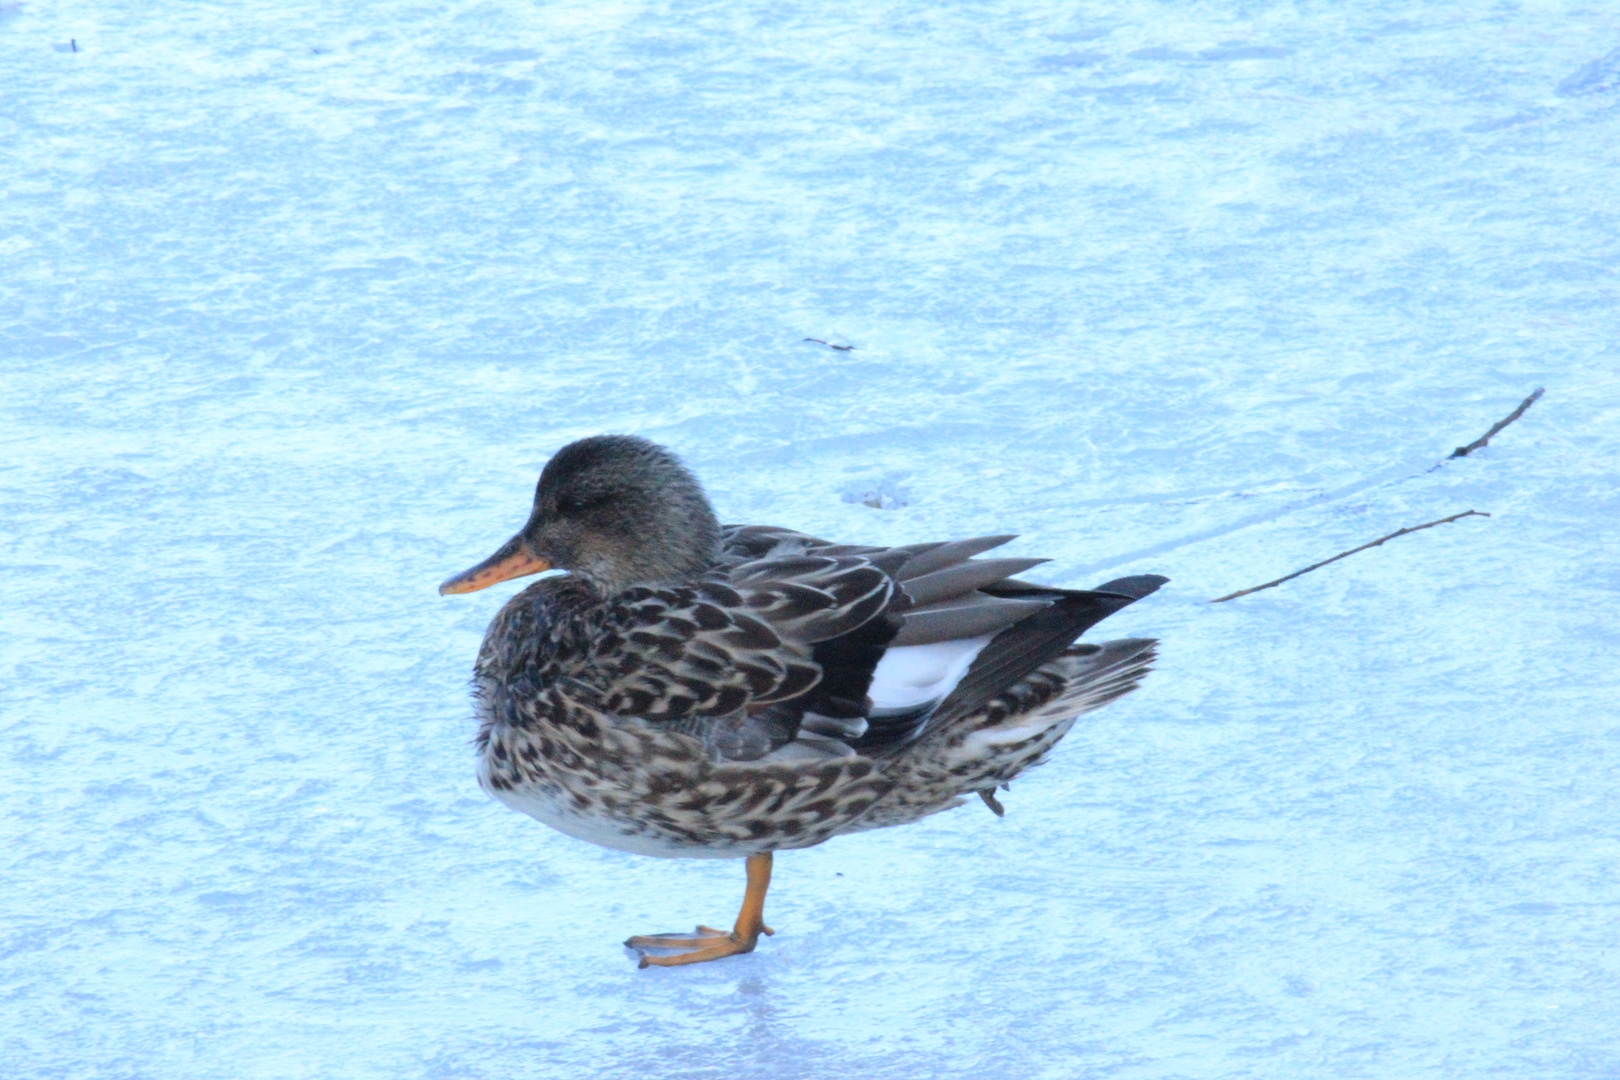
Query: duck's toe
(703, 944)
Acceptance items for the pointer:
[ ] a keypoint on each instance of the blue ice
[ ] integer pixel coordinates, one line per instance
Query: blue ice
(298, 297)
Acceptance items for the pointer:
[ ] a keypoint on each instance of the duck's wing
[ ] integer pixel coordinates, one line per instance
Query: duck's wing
(755, 543)
(950, 595)
(796, 647)
(975, 632)
(880, 678)
(715, 657)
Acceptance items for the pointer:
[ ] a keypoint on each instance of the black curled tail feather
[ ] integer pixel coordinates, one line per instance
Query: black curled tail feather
(1039, 638)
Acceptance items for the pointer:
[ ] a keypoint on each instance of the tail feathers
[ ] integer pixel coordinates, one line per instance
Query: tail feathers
(1012, 732)
(1113, 670)
(1040, 638)
(1087, 677)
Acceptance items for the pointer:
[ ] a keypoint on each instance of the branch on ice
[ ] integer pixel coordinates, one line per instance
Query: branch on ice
(1464, 451)
(1352, 551)
(1461, 451)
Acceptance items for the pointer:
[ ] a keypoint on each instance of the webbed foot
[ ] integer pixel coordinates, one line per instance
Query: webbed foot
(705, 943)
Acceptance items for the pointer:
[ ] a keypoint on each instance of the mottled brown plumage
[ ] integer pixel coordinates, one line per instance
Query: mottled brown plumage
(693, 691)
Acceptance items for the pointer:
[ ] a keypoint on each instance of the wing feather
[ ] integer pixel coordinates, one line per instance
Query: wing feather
(773, 652)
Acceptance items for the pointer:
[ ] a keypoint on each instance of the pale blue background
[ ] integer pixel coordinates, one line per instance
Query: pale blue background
(297, 298)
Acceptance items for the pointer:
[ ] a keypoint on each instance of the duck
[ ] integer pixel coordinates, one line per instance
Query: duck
(687, 689)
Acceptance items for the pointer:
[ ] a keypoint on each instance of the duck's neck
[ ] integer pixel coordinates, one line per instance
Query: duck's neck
(612, 568)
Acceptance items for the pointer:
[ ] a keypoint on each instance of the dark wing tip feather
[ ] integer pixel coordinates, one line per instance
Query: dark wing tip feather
(1135, 586)
(1041, 637)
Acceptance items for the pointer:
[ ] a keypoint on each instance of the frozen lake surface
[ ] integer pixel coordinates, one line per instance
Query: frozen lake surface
(297, 299)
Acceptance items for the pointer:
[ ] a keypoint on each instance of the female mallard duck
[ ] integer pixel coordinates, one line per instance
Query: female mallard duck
(697, 691)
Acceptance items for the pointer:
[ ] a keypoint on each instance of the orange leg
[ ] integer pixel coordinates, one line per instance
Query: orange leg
(708, 943)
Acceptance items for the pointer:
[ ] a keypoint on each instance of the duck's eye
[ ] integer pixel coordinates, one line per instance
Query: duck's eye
(573, 504)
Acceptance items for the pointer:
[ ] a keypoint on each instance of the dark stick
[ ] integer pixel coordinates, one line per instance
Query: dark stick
(830, 345)
(1464, 451)
(1363, 547)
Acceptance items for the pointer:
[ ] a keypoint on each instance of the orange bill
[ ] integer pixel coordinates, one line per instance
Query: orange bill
(512, 560)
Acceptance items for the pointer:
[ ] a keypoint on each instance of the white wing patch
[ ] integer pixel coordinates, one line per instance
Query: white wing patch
(913, 675)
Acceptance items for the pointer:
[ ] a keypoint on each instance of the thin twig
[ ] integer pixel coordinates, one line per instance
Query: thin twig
(1464, 451)
(830, 345)
(1352, 551)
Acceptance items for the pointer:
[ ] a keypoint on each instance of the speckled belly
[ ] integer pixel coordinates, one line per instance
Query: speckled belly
(633, 788)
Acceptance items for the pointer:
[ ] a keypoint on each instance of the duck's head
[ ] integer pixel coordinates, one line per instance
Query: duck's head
(616, 511)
